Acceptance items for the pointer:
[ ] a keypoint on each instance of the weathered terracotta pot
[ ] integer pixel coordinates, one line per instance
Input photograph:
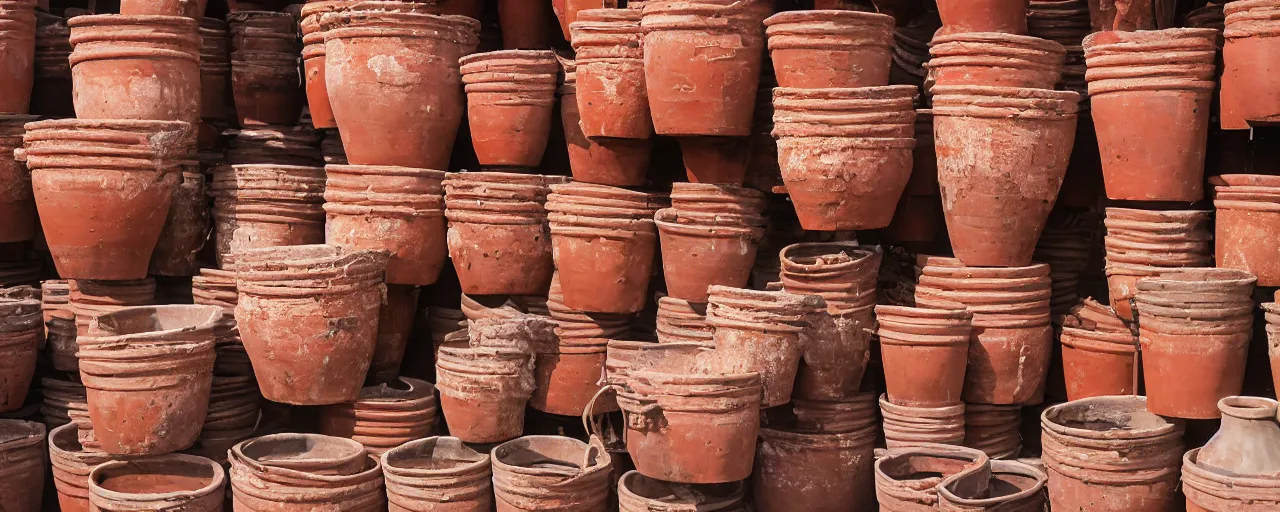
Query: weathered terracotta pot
(639, 493)
(499, 239)
(401, 120)
(17, 53)
(1161, 239)
(701, 249)
(235, 407)
(612, 96)
(1007, 16)
(51, 94)
(278, 145)
(550, 473)
(257, 206)
(906, 426)
(1243, 446)
(1099, 363)
(1012, 486)
(830, 48)
(310, 453)
(924, 351)
(116, 57)
(438, 472)
(568, 11)
(71, 464)
(335, 327)
(1208, 490)
(1173, 68)
(863, 129)
(836, 416)
(59, 397)
(397, 209)
(385, 416)
(603, 161)
(1110, 454)
(985, 181)
(183, 481)
(213, 287)
(1243, 221)
(1248, 54)
(510, 101)
(16, 200)
(186, 228)
(313, 62)
(215, 69)
(995, 59)
(807, 470)
(568, 377)
(907, 478)
(681, 321)
(723, 82)
(289, 479)
(603, 240)
(20, 339)
(483, 391)
(994, 429)
(759, 332)
(22, 445)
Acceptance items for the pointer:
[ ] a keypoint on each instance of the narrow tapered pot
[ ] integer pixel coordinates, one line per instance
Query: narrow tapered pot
(440, 472)
(510, 101)
(830, 48)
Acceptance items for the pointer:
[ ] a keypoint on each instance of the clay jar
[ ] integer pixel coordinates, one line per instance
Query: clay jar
(995, 59)
(265, 80)
(906, 426)
(183, 481)
(277, 145)
(1248, 211)
(510, 99)
(612, 97)
(1244, 446)
(148, 371)
(830, 48)
(215, 69)
(408, 116)
(1110, 454)
(17, 201)
(1149, 153)
(332, 296)
(438, 472)
(601, 160)
(397, 209)
(51, 94)
(20, 337)
(759, 332)
(483, 391)
(1194, 320)
(815, 470)
(499, 239)
(257, 206)
(385, 416)
(925, 351)
(709, 237)
(551, 473)
(994, 429)
(71, 464)
(118, 218)
(988, 180)
(1099, 358)
(1007, 16)
(17, 54)
(186, 227)
(1010, 486)
(22, 445)
(907, 478)
(299, 472)
(1143, 243)
(1250, 29)
(603, 240)
(115, 58)
(693, 91)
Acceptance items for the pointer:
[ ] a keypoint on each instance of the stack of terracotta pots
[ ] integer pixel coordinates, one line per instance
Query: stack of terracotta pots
(214, 287)
(486, 379)
(266, 84)
(385, 416)
(820, 460)
(19, 43)
(59, 397)
(439, 472)
(908, 478)
(1249, 29)
(22, 447)
(1248, 213)
(1194, 320)
(682, 321)
(89, 299)
(275, 145)
(510, 102)
(304, 471)
(1099, 352)
(995, 59)
(233, 415)
(110, 62)
(266, 205)
(215, 77)
(51, 94)
(568, 377)
(924, 351)
(20, 332)
(551, 473)
(759, 332)
(1142, 243)
(709, 237)
(71, 464)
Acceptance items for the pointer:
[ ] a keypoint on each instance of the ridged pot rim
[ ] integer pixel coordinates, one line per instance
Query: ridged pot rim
(535, 62)
(1041, 481)
(835, 16)
(1246, 180)
(206, 316)
(1254, 490)
(732, 493)
(62, 439)
(153, 20)
(32, 434)
(244, 452)
(943, 412)
(1156, 216)
(952, 100)
(417, 389)
(1125, 408)
(352, 21)
(515, 178)
(952, 267)
(1143, 40)
(957, 314)
(608, 15)
(384, 170)
(971, 456)
(476, 462)
(216, 483)
(1191, 279)
(1010, 40)
(1235, 6)
(801, 258)
(1248, 407)
(596, 459)
(884, 92)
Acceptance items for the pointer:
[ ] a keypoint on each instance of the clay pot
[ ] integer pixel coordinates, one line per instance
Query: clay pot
(59, 397)
(985, 181)
(283, 472)
(17, 55)
(265, 80)
(995, 59)
(824, 472)
(1011, 486)
(438, 472)
(694, 92)
(907, 478)
(71, 464)
(215, 69)
(994, 429)
(483, 391)
(499, 238)
(20, 337)
(639, 493)
(310, 453)
(276, 145)
(397, 209)
(166, 351)
(759, 332)
(612, 97)
(111, 235)
(1249, 28)
(402, 120)
(906, 426)
(213, 287)
(603, 161)
(16, 201)
(1242, 220)
(313, 62)
(186, 228)
(550, 473)
(830, 48)
(1099, 363)
(1244, 445)
(22, 445)
(603, 240)
(924, 352)
(116, 57)
(569, 11)
(1007, 16)
(1110, 454)
(334, 328)
(385, 416)
(701, 249)
(1173, 68)
(862, 129)
(568, 376)
(681, 321)
(257, 206)
(1159, 240)
(51, 94)
(59, 324)
(510, 99)
(184, 481)
(1208, 490)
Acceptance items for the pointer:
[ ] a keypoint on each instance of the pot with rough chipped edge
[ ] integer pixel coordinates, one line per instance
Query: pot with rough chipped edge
(536, 473)
(175, 481)
(759, 332)
(797, 469)
(359, 485)
(1013, 487)
(600, 160)
(484, 391)
(136, 67)
(385, 416)
(830, 48)
(71, 464)
(907, 478)
(612, 99)
(439, 472)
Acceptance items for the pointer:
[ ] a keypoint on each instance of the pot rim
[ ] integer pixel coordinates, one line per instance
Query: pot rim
(217, 482)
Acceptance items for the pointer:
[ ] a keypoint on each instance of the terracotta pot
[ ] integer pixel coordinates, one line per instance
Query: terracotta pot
(115, 57)
(1012, 486)
(1007, 16)
(20, 337)
(907, 478)
(994, 429)
(1248, 426)
(1209, 490)
(313, 63)
(1249, 29)
(16, 201)
(912, 426)
(257, 206)
(681, 321)
(510, 99)
(550, 473)
(51, 93)
(22, 445)
(830, 48)
(842, 273)
(185, 481)
(603, 240)
(397, 209)
(215, 69)
(524, 25)
(59, 397)
(603, 161)
(499, 239)
(235, 407)
(17, 52)
(984, 182)
(326, 360)
(612, 97)
(372, 109)
(277, 145)
(819, 472)
(702, 250)
(309, 453)
(568, 376)
(186, 228)
(189, 8)
(439, 472)
(723, 82)
(59, 325)
(995, 59)
(395, 320)
(261, 481)
(1098, 363)
(639, 493)
(483, 391)
(712, 159)
(1080, 451)
(836, 416)
(71, 464)
(1174, 68)
(760, 332)
(1241, 221)
(921, 345)
(385, 416)
(215, 287)
(569, 11)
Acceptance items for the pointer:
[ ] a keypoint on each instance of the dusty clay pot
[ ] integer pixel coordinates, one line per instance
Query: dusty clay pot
(17, 53)
(1244, 445)
(385, 416)
(20, 337)
(1007, 16)
(403, 120)
(1160, 240)
(16, 201)
(183, 481)
(510, 101)
(612, 97)
(1098, 363)
(440, 472)
(759, 332)
(568, 377)
(22, 446)
(705, 248)
(1207, 490)
(258, 206)
(483, 391)
(907, 478)
(71, 464)
(815, 471)
(994, 429)
(830, 48)
(293, 472)
(550, 473)
(995, 59)
(1012, 486)
(639, 493)
(1242, 222)
(603, 161)
(985, 182)
(1248, 54)
(913, 426)
(924, 344)
(115, 58)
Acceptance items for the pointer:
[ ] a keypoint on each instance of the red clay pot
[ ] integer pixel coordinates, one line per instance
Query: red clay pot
(759, 332)
(277, 480)
(1243, 219)
(906, 426)
(510, 100)
(1207, 489)
(499, 239)
(830, 48)
(20, 332)
(397, 119)
(994, 429)
(924, 352)
(313, 62)
(326, 360)
(823, 472)
(16, 200)
(17, 53)
(639, 493)
(550, 473)
(907, 478)
(483, 391)
(612, 97)
(1110, 454)
(1130, 73)
(51, 94)
(186, 228)
(269, 205)
(569, 11)
(1098, 364)
(603, 161)
(1247, 55)
(985, 182)
(190, 8)
(22, 445)
(701, 250)
(71, 463)
(995, 59)
(395, 320)
(1007, 16)
(385, 416)
(439, 472)
(187, 482)
(116, 58)
(1012, 486)
(525, 25)
(723, 82)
